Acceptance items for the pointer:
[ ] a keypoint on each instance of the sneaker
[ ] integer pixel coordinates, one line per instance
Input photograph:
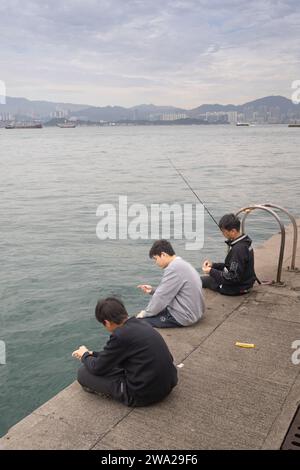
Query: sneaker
(100, 394)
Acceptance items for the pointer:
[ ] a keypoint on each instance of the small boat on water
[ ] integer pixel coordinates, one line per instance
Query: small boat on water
(66, 125)
(24, 125)
(242, 124)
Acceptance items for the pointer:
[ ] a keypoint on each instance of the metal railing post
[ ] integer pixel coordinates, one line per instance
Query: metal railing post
(295, 237)
(247, 211)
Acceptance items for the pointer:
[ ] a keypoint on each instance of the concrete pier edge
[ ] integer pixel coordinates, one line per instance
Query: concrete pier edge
(227, 397)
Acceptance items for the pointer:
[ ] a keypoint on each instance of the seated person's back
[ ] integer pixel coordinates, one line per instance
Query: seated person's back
(135, 366)
(178, 299)
(236, 275)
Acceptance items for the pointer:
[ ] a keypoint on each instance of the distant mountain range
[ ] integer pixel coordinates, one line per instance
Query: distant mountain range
(23, 108)
(42, 109)
(284, 104)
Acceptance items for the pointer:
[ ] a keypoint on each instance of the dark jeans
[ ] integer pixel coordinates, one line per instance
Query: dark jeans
(112, 384)
(209, 282)
(163, 320)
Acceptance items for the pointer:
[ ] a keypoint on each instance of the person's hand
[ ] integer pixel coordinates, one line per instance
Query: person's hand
(141, 314)
(145, 288)
(207, 263)
(206, 268)
(80, 352)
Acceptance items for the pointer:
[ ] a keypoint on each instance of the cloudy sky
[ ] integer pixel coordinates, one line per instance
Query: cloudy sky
(127, 52)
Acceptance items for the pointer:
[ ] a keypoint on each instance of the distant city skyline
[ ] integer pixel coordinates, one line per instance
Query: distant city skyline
(270, 109)
(177, 52)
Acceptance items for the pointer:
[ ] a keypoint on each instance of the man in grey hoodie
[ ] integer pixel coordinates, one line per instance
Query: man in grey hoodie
(178, 300)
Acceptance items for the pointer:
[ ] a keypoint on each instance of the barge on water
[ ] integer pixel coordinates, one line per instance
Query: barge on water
(24, 125)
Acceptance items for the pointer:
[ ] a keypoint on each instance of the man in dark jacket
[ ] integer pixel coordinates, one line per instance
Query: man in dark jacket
(236, 275)
(135, 367)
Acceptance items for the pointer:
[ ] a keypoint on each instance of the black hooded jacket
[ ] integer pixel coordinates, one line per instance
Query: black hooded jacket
(236, 274)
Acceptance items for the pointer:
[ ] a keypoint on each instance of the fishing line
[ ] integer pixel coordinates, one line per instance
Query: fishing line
(195, 194)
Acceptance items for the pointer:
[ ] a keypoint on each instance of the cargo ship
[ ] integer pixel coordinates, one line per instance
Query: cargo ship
(24, 125)
(66, 125)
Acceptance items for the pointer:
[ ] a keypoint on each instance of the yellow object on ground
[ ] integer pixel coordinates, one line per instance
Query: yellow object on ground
(245, 345)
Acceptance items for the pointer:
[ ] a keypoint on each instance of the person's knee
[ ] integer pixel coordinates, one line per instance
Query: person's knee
(81, 375)
(205, 281)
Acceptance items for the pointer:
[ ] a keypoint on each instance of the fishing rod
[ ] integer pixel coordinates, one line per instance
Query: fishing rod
(189, 186)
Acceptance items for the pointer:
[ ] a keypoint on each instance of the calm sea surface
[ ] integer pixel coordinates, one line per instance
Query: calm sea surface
(53, 266)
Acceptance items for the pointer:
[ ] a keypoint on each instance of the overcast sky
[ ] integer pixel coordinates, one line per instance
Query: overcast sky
(127, 52)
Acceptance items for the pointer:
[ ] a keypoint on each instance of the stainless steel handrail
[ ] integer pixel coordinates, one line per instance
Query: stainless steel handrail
(247, 211)
(295, 237)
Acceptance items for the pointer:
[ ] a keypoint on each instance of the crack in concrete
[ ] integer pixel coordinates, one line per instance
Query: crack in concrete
(209, 335)
(111, 428)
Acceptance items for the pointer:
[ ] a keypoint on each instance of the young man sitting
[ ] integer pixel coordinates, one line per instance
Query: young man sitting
(236, 275)
(135, 367)
(178, 300)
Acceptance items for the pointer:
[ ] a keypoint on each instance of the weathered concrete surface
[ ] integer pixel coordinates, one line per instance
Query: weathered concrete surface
(227, 397)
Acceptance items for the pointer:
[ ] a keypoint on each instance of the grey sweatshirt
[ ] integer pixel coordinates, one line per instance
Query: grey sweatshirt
(181, 291)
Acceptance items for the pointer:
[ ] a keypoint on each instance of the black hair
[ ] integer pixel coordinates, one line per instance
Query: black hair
(229, 222)
(161, 246)
(111, 309)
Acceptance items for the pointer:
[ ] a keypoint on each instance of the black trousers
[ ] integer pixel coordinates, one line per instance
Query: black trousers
(208, 282)
(163, 320)
(112, 384)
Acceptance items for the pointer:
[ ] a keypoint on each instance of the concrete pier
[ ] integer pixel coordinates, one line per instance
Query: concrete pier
(227, 397)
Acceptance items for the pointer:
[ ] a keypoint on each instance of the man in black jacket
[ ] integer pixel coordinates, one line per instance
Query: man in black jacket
(135, 367)
(236, 275)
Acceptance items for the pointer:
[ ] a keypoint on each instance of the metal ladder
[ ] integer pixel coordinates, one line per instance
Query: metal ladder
(269, 208)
